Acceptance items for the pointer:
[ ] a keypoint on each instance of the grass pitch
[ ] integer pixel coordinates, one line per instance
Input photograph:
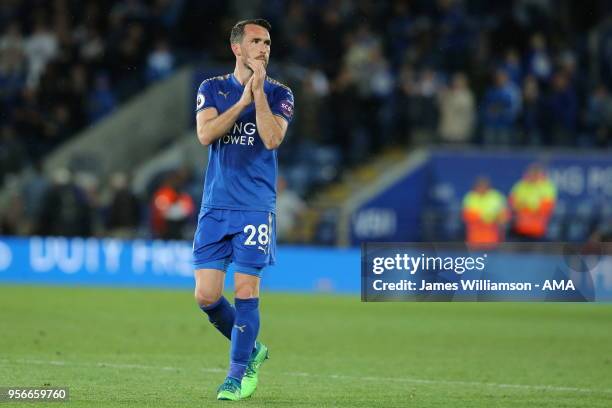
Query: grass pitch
(149, 348)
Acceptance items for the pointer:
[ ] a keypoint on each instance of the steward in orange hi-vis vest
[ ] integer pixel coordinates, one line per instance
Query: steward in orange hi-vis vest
(533, 200)
(484, 213)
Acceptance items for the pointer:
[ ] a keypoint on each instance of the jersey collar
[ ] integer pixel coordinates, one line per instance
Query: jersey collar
(236, 82)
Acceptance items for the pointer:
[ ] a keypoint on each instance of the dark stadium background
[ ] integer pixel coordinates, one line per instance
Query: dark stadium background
(370, 79)
(400, 107)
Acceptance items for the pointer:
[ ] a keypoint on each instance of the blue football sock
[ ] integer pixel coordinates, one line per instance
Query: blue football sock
(244, 333)
(221, 314)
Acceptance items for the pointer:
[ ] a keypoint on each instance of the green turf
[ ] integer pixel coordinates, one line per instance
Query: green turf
(146, 348)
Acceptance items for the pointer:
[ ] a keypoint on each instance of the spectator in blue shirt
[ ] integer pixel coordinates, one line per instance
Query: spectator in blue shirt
(499, 111)
(561, 110)
(101, 99)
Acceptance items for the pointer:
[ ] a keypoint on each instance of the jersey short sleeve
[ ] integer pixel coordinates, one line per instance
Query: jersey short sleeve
(283, 103)
(204, 98)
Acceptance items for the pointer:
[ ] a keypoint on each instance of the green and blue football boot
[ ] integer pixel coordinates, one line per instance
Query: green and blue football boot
(251, 376)
(229, 390)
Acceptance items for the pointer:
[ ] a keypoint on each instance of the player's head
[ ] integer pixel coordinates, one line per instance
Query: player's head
(251, 39)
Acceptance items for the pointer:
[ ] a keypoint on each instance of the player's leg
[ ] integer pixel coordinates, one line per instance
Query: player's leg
(253, 250)
(244, 351)
(210, 299)
(247, 295)
(246, 323)
(211, 254)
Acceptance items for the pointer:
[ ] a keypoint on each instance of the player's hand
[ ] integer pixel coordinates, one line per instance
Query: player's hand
(259, 73)
(247, 94)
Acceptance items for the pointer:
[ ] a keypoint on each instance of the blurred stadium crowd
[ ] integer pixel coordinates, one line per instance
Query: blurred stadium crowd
(67, 64)
(365, 74)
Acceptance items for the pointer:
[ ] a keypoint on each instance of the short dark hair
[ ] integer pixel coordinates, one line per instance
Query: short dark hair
(238, 29)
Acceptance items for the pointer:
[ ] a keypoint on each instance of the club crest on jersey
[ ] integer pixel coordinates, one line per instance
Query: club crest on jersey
(287, 108)
(200, 101)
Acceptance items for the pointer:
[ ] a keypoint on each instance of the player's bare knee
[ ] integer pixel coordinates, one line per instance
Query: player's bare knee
(206, 297)
(245, 291)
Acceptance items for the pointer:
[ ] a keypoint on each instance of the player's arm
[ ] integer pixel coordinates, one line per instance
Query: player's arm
(271, 128)
(211, 126)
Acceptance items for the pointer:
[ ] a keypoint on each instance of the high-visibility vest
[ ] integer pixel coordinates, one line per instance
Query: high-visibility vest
(533, 203)
(163, 200)
(483, 213)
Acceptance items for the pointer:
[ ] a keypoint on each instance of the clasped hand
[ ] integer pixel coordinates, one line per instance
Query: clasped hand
(255, 82)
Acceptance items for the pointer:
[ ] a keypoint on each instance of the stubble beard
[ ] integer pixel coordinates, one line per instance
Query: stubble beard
(244, 63)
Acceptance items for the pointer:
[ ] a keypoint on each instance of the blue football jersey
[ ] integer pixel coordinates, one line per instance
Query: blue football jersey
(241, 172)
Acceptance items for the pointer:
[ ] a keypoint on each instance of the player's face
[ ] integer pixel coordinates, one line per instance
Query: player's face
(255, 44)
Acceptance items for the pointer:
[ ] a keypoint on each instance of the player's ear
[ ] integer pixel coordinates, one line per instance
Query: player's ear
(236, 49)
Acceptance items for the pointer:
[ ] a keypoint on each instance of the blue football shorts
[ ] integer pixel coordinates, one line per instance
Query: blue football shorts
(245, 238)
